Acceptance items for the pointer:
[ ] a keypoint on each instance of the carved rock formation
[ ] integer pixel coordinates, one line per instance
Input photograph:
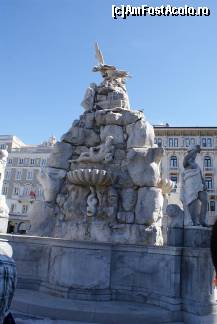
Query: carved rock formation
(103, 182)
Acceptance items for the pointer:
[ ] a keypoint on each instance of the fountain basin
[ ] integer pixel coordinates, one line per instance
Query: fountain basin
(90, 177)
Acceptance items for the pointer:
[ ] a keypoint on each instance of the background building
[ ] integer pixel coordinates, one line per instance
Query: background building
(20, 185)
(25, 161)
(175, 141)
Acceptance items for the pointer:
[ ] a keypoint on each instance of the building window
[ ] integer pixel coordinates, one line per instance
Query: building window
(207, 162)
(18, 174)
(26, 191)
(38, 161)
(209, 182)
(5, 190)
(173, 162)
(32, 161)
(40, 192)
(29, 175)
(16, 191)
(21, 161)
(24, 209)
(203, 142)
(7, 175)
(209, 142)
(13, 208)
(173, 142)
(26, 161)
(211, 205)
(158, 141)
(192, 141)
(187, 142)
(44, 161)
(10, 161)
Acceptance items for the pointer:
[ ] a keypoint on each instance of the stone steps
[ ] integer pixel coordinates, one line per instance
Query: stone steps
(58, 309)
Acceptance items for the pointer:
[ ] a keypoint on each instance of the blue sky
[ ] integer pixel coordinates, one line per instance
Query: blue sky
(47, 54)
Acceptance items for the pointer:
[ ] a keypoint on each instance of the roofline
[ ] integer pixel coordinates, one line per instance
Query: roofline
(185, 127)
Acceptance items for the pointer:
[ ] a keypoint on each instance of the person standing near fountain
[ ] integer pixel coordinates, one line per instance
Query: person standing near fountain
(194, 187)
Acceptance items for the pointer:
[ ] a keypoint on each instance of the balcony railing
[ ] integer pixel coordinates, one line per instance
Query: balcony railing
(174, 167)
(208, 168)
(212, 191)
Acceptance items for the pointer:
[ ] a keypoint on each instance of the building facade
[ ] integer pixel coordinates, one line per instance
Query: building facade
(20, 185)
(175, 141)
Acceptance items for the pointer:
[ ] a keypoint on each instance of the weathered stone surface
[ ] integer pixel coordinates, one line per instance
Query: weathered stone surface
(149, 206)
(87, 120)
(75, 205)
(146, 271)
(79, 149)
(119, 155)
(108, 203)
(137, 234)
(130, 117)
(81, 136)
(175, 216)
(197, 236)
(112, 130)
(140, 134)
(83, 264)
(175, 236)
(123, 178)
(51, 180)
(4, 214)
(60, 156)
(128, 198)
(197, 274)
(117, 117)
(88, 100)
(125, 217)
(99, 231)
(143, 166)
(102, 117)
(43, 218)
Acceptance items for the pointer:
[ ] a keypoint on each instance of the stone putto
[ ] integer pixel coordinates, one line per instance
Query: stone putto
(194, 189)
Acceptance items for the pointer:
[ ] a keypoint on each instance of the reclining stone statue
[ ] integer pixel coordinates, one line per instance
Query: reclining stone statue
(194, 187)
(102, 153)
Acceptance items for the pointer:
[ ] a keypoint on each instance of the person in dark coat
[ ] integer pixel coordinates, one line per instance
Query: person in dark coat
(213, 248)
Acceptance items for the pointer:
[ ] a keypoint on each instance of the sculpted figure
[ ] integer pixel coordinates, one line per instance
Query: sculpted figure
(113, 79)
(3, 156)
(103, 152)
(92, 203)
(109, 72)
(194, 187)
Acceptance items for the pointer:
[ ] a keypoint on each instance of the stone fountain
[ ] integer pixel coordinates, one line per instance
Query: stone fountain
(103, 181)
(98, 234)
